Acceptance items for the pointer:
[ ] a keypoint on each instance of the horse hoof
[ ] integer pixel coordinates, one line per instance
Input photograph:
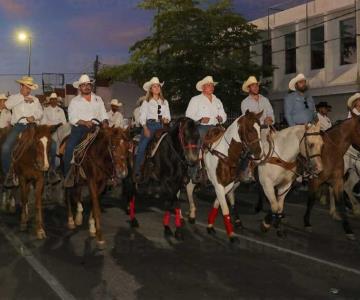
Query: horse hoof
(233, 239)
(134, 223)
(351, 237)
(179, 235)
(79, 220)
(335, 216)
(12, 209)
(71, 226)
(211, 230)
(23, 227)
(238, 224)
(308, 229)
(40, 234)
(264, 228)
(167, 231)
(100, 245)
(192, 221)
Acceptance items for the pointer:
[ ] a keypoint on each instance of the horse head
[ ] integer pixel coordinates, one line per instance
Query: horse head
(189, 139)
(119, 144)
(311, 145)
(249, 133)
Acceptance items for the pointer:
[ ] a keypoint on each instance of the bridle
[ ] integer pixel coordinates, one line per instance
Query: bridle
(247, 144)
(181, 139)
(304, 139)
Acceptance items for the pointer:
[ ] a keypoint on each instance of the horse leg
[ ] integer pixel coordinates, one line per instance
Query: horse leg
(94, 194)
(179, 235)
(39, 188)
(212, 217)
(190, 195)
(92, 228)
(270, 194)
(235, 205)
(12, 202)
(333, 212)
(79, 209)
(349, 185)
(25, 188)
(282, 192)
(68, 200)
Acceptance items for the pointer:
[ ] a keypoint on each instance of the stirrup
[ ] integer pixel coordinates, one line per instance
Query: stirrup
(11, 180)
(69, 180)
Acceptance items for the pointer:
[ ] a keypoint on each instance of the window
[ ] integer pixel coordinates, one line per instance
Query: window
(348, 41)
(317, 48)
(290, 53)
(267, 58)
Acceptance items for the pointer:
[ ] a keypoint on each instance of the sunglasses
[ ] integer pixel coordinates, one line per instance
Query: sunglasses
(306, 104)
(159, 111)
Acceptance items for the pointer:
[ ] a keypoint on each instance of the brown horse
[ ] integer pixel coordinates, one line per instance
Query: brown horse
(337, 141)
(106, 159)
(30, 161)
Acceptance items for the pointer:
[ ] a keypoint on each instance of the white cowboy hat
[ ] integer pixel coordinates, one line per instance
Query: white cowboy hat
(352, 99)
(295, 80)
(206, 80)
(53, 96)
(83, 79)
(115, 102)
(3, 97)
(29, 82)
(251, 80)
(147, 85)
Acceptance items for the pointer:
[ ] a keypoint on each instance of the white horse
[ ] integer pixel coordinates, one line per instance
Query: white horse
(241, 138)
(279, 171)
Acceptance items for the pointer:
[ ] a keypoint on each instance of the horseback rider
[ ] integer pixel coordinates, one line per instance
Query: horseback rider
(353, 104)
(299, 106)
(207, 110)
(116, 118)
(154, 113)
(26, 109)
(83, 108)
(323, 108)
(5, 114)
(54, 115)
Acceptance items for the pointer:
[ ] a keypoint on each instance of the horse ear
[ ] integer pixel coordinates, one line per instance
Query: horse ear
(259, 115)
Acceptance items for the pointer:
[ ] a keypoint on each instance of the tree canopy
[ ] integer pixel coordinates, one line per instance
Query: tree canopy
(189, 40)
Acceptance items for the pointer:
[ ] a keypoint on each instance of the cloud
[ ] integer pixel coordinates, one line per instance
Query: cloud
(13, 7)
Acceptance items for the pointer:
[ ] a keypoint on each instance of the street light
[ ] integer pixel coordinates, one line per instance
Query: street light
(23, 37)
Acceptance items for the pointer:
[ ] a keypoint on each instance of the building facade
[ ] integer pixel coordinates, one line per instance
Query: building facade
(320, 39)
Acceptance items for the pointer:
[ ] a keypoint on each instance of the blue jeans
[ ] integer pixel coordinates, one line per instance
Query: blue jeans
(76, 135)
(7, 147)
(144, 141)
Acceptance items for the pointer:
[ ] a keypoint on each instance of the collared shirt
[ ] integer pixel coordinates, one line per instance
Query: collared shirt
(136, 117)
(5, 118)
(116, 119)
(201, 107)
(355, 111)
(257, 106)
(53, 116)
(325, 122)
(295, 108)
(20, 108)
(81, 109)
(149, 110)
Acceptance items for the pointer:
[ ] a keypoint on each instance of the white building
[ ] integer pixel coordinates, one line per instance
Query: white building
(318, 39)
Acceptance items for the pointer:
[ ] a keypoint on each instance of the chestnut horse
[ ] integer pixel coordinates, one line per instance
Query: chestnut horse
(337, 141)
(106, 159)
(30, 161)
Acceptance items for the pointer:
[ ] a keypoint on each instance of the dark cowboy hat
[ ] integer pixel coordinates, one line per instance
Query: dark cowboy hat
(323, 104)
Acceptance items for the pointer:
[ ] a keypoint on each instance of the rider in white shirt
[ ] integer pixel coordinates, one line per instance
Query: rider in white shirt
(323, 108)
(353, 105)
(116, 118)
(5, 114)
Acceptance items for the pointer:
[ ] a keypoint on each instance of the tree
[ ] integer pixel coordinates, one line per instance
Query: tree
(189, 40)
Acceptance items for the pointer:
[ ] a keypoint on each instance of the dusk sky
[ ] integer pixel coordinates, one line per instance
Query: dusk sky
(68, 34)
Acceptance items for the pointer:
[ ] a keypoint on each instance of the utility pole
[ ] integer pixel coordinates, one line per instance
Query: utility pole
(96, 70)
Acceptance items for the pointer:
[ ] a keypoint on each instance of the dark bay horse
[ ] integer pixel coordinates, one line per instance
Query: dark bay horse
(337, 141)
(106, 159)
(30, 161)
(166, 171)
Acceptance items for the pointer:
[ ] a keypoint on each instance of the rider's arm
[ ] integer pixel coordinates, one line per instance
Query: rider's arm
(38, 111)
(166, 112)
(221, 111)
(143, 114)
(13, 100)
(288, 110)
(192, 110)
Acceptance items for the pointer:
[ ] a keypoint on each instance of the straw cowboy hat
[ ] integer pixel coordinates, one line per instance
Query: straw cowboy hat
(251, 80)
(115, 102)
(352, 99)
(295, 80)
(3, 97)
(206, 80)
(53, 96)
(83, 79)
(147, 85)
(29, 82)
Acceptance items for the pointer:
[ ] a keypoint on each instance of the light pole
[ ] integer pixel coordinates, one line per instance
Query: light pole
(23, 37)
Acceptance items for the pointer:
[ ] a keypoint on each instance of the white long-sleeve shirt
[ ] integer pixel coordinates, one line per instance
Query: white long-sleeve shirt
(20, 108)
(5, 118)
(256, 106)
(201, 107)
(325, 122)
(81, 109)
(149, 110)
(53, 116)
(116, 119)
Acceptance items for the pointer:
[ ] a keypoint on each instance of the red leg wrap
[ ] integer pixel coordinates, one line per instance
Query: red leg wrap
(177, 217)
(132, 208)
(228, 225)
(212, 215)
(166, 219)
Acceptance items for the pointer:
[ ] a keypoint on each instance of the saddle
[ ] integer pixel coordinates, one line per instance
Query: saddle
(213, 135)
(158, 137)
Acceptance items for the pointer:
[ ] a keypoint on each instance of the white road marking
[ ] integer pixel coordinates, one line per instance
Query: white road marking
(38, 267)
(281, 249)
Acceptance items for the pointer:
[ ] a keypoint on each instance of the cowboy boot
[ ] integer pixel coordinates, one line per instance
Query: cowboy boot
(70, 178)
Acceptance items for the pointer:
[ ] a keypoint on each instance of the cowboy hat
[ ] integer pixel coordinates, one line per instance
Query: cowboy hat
(53, 96)
(206, 80)
(83, 79)
(155, 80)
(251, 80)
(295, 80)
(115, 102)
(3, 97)
(352, 99)
(323, 104)
(28, 81)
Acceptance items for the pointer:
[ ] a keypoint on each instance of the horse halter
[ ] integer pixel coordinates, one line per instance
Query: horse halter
(247, 144)
(181, 139)
(304, 138)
